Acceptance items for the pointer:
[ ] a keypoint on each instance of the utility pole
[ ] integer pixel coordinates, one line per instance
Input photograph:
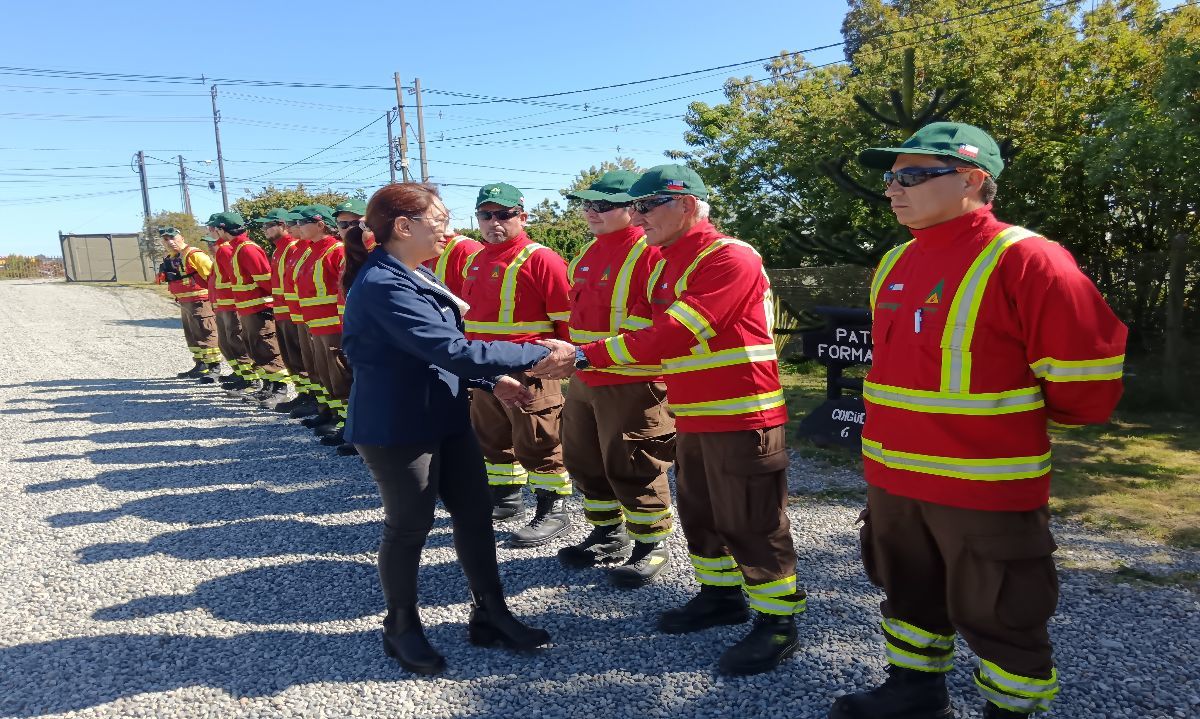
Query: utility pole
(183, 187)
(141, 160)
(220, 157)
(421, 132)
(391, 115)
(403, 129)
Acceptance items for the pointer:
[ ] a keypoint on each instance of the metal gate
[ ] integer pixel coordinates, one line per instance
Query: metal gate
(105, 258)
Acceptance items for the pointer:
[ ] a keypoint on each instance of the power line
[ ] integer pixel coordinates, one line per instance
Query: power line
(318, 152)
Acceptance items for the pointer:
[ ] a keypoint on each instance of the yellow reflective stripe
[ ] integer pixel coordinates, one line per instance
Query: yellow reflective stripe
(940, 664)
(714, 563)
(720, 358)
(575, 262)
(513, 469)
(964, 310)
(583, 336)
(638, 536)
(933, 402)
(681, 284)
(890, 258)
(618, 351)
(559, 316)
(719, 579)
(197, 293)
(691, 319)
(252, 303)
(319, 271)
(1056, 370)
(1016, 684)
(291, 296)
(1019, 705)
(300, 263)
(916, 636)
(501, 328)
(598, 505)
(470, 260)
(770, 605)
(620, 299)
(508, 287)
(439, 267)
(989, 470)
(636, 323)
(261, 278)
(320, 300)
(727, 407)
(635, 517)
(242, 288)
(653, 279)
(777, 588)
(629, 370)
(325, 322)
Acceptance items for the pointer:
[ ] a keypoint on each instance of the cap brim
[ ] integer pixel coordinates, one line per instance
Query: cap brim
(882, 158)
(598, 195)
(502, 203)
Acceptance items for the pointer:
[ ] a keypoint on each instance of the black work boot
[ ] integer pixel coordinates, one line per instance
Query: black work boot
(291, 404)
(346, 449)
(603, 544)
(492, 623)
(212, 371)
(647, 562)
(237, 384)
(991, 711)
(772, 639)
(328, 428)
(323, 416)
(277, 396)
(198, 370)
(713, 606)
(907, 694)
(549, 520)
(507, 502)
(259, 395)
(334, 440)
(404, 640)
(309, 407)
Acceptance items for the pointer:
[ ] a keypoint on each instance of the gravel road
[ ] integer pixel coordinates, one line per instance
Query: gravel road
(169, 552)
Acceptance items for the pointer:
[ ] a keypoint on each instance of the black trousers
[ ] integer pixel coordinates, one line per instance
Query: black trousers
(410, 479)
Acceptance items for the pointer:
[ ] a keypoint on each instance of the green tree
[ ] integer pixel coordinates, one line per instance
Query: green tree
(260, 203)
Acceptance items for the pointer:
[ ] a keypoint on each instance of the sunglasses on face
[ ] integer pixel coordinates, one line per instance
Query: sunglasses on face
(292, 223)
(308, 221)
(347, 224)
(502, 215)
(643, 206)
(272, 224)
(602, 205)
(913, 176)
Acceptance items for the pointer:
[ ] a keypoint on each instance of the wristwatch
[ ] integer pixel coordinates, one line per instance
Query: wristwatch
(581, 360)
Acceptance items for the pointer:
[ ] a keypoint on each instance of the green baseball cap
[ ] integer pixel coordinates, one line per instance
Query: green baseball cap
(168, 232)
(501, 194)
(312, 212)
(669, 180)
(279, 214)
(944, 139)
(226, 221)
(354, 206)
(612, 186)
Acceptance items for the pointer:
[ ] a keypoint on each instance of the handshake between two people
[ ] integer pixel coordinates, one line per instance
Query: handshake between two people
(559, 364)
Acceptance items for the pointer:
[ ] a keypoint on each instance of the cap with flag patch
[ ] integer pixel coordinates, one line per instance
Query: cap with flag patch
(669, 180)
(226, 221)
(612, 186)
(168, 232)
(945, 139)
(354, 206)
(501, 194)
(278, 214)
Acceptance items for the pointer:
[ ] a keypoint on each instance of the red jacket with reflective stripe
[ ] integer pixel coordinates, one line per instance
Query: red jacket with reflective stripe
(251, 276)
(279, 258)
(712, 332)
(222, 277)
(959, 417)
(298, 254)
(196, 268)
(450, 266)
(608, 296)
(517, 290)
(318, 279)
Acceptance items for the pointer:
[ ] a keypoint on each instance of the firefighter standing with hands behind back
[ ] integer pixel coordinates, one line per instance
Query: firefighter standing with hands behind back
(984, 334)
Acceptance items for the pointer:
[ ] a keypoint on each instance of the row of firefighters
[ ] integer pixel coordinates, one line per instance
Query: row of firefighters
(956, 531)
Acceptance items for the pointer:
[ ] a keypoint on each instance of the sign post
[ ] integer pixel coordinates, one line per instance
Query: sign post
(845, 341)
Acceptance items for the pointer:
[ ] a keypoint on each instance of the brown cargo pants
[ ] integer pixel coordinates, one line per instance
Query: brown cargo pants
(335, 372)
(289, 346)
(987, 575)
(200, 330)
(523, 445)
(733, 507)
(618, 442)
(233, 347)
(258, 329)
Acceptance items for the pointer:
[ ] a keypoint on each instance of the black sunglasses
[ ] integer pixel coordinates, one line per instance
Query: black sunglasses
(645, 205)
(602, 205)
(272, 224)
(502, 215)
(347, 224)
(309, 221)
(913, 176)
(292, 223)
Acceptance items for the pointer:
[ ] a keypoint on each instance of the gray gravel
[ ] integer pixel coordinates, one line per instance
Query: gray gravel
(169, 552)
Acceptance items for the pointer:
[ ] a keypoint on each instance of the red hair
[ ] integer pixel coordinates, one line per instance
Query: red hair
(396, 200)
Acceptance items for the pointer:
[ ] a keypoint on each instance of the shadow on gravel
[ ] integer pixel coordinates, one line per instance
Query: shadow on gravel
(166, 323)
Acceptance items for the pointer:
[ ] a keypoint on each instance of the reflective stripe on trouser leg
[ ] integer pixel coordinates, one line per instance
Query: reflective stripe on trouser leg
(647, 526)
(716, 571)
(911, 647)
(778, 597)
(558, 482)
(602, 512)
(1013, 691)
(506, 473)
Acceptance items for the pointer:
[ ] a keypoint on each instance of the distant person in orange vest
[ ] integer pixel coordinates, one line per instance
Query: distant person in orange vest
(985, 334)
(186, 270)
(618, 434)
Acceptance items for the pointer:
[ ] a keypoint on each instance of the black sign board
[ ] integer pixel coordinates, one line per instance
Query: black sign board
(845, 341)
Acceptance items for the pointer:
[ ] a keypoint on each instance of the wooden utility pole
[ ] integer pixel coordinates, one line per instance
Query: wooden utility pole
(421, 131)
(141, 162)
(391, 115)
(403, 129)
(183, 187)
(220, 157)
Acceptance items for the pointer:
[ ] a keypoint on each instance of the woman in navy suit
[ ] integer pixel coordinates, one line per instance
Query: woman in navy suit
(409, 419)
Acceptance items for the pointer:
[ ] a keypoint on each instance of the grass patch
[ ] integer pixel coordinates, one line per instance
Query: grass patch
(804, 390)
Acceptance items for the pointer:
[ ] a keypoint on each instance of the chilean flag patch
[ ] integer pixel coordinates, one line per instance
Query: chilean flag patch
(968, 150)
(676, 185)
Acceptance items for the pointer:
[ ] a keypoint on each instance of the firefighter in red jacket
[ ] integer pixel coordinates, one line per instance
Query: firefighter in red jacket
(618, 435)
(251, 277)
(985, 334)
(186, 270)
(274, 226)
(229, 327)
(450, 267)
(517, 291)
(712, 333)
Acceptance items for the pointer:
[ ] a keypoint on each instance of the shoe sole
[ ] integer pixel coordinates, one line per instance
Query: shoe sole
(707, 625)
(526, 544)
(837, 712)
(625, 581)
(764, 667)
(428, 671)
(491, 638)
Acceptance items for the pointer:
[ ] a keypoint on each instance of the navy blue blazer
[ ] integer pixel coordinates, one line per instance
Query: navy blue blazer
(403, 338)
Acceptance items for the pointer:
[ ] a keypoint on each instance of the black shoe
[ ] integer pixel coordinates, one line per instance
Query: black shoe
(713, 606)
(276, 397)
(549, 521)
(507, 502)
(907, 694)
(991, 711)
(772, 639)
(334, 440)
(292, 403)
(345, 449)
(647, 562)
(492, 623)
(404, 640)
(307, 408)
(603, 544)
(323, 416)
(328, 429)
(260, 394)
(228, 377)
(252, 387)
(197, 371)
(236, 384)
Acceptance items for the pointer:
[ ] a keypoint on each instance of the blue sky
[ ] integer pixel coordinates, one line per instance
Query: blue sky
(61, 138)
